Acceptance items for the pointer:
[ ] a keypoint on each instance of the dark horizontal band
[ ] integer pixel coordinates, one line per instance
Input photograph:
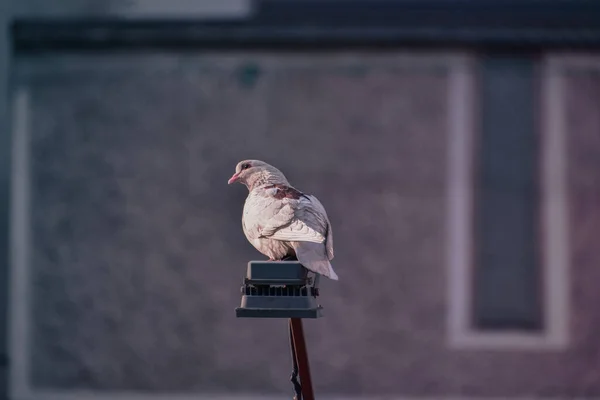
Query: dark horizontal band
(513, 24)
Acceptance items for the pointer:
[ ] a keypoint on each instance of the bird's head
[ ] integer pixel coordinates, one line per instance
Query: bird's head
(254, 173)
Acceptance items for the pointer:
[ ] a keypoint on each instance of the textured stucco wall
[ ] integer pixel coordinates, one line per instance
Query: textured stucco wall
(138, 253)
(582, 99)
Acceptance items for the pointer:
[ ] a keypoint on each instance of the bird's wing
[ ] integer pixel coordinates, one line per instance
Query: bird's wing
(302, 219)
(320, 210)
(297, 231)
(329, 244)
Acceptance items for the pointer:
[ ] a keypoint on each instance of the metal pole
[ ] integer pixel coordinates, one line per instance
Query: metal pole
(302, 359)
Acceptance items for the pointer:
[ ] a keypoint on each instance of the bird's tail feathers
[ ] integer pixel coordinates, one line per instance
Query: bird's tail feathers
(312, 256)
(322, 267)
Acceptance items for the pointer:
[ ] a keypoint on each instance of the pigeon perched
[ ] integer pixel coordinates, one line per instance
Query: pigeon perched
(282, 222)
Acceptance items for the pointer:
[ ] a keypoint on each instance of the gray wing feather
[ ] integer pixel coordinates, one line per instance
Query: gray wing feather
(283, 215)
(308, 224)
(329, 234)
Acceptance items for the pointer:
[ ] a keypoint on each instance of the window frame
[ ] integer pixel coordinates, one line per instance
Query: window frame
(554, 243)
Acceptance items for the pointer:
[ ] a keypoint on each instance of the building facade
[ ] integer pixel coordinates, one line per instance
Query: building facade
(457, 154)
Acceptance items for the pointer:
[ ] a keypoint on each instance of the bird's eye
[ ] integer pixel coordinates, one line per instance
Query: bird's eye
(245, 166)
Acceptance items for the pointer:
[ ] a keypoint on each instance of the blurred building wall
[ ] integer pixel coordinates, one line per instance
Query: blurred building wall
(130, 253)
(5, 15)
(136, 246)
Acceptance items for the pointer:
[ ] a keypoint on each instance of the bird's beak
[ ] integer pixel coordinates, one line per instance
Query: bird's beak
(234, 178)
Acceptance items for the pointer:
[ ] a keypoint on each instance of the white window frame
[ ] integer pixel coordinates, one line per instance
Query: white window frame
(554, 213)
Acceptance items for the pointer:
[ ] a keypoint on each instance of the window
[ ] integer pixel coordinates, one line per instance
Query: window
(507, 277)
(507, 246)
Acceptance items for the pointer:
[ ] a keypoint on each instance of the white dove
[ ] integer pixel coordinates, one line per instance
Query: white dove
(282, 222)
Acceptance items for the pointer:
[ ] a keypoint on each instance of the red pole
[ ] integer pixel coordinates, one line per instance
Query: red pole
(302, 359)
